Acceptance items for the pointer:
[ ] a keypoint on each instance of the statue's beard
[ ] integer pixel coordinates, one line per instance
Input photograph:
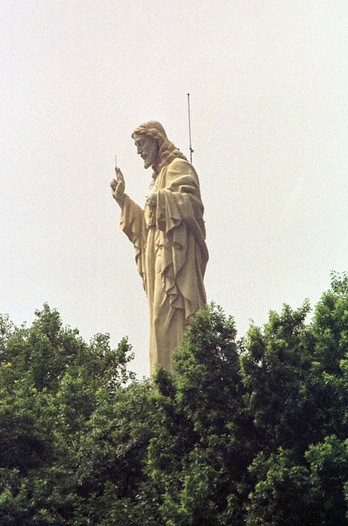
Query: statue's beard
(151, 160)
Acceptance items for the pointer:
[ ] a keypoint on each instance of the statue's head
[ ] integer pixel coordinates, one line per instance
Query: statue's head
(153, 145)
(147, 142)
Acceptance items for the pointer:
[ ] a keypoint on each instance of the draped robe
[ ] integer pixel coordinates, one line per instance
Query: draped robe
(171, 255)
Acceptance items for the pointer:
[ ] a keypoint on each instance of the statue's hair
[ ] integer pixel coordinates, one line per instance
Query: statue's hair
(167, 150)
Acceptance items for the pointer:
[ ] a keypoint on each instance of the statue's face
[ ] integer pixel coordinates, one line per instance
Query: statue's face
(147, 148)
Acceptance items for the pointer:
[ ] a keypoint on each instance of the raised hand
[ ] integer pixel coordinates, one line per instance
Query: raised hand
(118, 187)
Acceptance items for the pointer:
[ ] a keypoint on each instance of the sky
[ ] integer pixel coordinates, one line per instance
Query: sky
(268, 84)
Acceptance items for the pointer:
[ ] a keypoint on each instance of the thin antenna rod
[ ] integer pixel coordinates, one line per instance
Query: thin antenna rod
(189, 123)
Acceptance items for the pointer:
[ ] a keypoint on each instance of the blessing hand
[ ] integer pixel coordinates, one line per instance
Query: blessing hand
(118, 187)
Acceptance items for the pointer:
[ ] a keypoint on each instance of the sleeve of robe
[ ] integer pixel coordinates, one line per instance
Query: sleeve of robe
(184, 254)
(132, 224)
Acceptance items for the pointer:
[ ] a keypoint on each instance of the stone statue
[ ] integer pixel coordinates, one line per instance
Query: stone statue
(169, 239)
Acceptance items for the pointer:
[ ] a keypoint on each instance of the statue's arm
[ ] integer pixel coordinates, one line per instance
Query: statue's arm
(131, 214)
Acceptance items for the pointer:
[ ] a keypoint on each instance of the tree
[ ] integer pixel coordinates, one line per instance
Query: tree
(246, 432)
(51, 383)
(197, 460)
(296, 375)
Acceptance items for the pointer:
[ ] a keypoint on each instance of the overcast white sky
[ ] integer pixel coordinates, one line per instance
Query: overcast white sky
(269, 105)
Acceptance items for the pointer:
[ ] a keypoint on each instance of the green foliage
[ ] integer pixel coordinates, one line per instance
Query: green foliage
(51, 385)
(298, 393)
(245, 433)
(275, 364)
(198, 460)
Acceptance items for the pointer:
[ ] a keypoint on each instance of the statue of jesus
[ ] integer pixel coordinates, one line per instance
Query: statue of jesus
(169, 239)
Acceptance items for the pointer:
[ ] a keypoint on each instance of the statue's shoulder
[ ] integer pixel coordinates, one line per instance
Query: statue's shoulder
(181, 172)
(181, 165)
